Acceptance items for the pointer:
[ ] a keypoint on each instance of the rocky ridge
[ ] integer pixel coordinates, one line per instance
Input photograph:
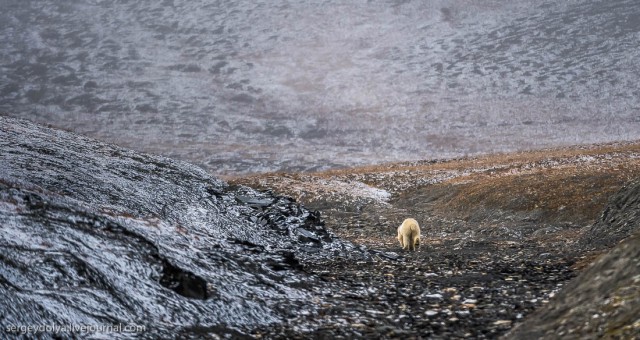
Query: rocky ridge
(95, 234)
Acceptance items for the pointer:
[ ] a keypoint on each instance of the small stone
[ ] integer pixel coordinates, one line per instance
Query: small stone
(470, 301)
(463, 313)
(431, 312)
(434, 296)
(307, 236)
(450, 290)
(502, 323)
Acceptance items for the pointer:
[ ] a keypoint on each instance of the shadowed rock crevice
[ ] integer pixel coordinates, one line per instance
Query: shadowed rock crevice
(619, 220)
(602, 302)
(183, 282)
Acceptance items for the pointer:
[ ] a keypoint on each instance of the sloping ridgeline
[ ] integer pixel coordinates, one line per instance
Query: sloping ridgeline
(604, 300)
(94, 234)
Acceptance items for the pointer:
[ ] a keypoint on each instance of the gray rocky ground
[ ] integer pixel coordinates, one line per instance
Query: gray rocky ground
(503, 236)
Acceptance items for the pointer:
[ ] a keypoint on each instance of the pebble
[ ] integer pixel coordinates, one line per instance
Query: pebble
(431, 312)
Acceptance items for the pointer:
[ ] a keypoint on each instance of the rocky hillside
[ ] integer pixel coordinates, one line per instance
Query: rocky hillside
(603, 302)
(94, 234)
(549, 194)
(502, 235)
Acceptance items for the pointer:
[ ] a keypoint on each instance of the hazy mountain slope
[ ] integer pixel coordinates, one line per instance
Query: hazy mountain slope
(248, 86)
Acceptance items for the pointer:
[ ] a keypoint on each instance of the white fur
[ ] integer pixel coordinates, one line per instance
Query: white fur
(409, 234)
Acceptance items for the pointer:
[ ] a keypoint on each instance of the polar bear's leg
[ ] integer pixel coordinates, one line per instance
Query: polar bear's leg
(408, 244)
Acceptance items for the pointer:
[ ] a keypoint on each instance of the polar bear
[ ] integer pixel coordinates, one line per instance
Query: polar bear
(409, 234)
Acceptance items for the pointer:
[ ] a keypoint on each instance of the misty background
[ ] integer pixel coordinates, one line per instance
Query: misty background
(252, 86)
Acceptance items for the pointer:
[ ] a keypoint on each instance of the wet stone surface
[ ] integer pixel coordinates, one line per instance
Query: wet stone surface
(95, 234)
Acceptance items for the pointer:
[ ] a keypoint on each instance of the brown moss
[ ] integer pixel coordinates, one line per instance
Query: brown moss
(555, 195)
(563, 185)
(492, 160)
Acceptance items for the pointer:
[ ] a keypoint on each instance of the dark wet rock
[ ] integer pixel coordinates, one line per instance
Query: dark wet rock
(602, 302)
(254, 201)
(97, 234)
(182, 282)
(307, 236)
(619, 220)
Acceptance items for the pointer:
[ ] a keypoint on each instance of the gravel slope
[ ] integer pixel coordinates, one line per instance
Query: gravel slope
(502, 236)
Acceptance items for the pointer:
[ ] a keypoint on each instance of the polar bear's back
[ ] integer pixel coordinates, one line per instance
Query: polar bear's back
(409, 234)
(410, 226)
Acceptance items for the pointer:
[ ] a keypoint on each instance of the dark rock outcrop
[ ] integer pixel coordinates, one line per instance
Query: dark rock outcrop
(94, 234)
(620, 219)
(602, 302)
